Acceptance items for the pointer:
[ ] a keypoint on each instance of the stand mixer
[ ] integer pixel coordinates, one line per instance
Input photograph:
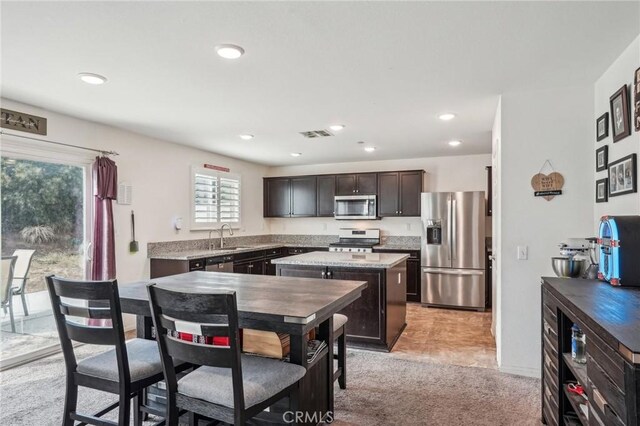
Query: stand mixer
(578, 258)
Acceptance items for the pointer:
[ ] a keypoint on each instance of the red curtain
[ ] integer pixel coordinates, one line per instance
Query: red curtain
(105, 183)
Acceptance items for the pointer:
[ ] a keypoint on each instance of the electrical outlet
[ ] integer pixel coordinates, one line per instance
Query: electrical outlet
(523, 252)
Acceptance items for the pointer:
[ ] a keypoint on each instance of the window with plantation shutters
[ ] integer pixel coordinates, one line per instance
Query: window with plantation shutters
(216, 198)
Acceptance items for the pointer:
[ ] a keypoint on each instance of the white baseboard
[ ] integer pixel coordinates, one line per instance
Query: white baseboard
(520, 371)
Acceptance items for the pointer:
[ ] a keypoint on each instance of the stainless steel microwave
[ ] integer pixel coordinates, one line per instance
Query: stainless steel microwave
(356, 207)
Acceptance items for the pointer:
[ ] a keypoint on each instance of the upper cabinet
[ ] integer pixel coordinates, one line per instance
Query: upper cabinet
(290, 197)
(326, 193)
(356, 184)
(305, 196)
(399, 193)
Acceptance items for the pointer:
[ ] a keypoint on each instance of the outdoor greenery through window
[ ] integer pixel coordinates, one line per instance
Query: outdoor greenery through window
(43, 210)
(216, 198)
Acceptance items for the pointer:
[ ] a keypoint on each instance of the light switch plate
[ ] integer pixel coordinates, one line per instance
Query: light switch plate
(523, 252)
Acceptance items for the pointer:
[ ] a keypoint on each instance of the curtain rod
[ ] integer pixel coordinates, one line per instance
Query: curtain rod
(60, 143)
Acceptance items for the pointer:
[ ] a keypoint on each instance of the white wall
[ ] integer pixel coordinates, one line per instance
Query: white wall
(619, 73)
(461, 173)
(536, 126)
(160, 174)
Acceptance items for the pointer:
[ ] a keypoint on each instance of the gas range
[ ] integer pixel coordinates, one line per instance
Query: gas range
(356, 240)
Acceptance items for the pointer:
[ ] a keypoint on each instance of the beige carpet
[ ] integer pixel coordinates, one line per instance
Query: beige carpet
(383, 389)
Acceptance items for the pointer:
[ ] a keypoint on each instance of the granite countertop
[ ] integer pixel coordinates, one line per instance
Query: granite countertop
(351, 260)
(199, 254)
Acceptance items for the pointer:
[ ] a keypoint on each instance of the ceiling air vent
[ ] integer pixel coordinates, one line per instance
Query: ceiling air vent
(316, 134)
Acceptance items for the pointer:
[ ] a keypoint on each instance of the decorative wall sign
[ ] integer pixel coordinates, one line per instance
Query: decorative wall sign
(619, 102)
(602, 192)
(218, 168)
(602, 158)
(547, 186)
(22, 122)
(623, 176)
(602, 127)
(636, 100)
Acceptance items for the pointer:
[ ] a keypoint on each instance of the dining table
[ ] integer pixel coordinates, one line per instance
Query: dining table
(289, 305)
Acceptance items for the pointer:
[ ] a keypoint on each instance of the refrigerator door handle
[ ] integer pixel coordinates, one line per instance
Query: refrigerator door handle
(453, 271)
(449, 223)
(454, 230)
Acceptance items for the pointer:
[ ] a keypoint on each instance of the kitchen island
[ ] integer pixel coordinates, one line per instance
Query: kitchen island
(377, 319)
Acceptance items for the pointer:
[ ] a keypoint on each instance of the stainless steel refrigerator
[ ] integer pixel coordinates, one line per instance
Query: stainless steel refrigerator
(453, 249)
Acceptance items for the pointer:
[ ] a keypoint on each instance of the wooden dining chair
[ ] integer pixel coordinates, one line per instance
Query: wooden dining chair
(228, 386)
(340, 336)
(8, 264)
(20, 275)
(125, 370)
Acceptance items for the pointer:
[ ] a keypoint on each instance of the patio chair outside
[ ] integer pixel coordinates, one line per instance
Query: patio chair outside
(8, 264)
(20, 275)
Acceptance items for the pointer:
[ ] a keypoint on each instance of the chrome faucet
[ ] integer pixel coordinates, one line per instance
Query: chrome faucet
(221, 230)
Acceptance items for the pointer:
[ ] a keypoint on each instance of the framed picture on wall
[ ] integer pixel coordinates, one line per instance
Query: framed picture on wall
(636, 100)
(602, 194)
(602, 158)
(602, 126)
(623, 176)
(620, 118)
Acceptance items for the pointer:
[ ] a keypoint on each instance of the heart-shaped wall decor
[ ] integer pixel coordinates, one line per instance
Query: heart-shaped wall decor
(547, 186)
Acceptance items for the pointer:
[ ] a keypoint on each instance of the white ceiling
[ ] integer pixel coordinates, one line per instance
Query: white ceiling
(384, 69)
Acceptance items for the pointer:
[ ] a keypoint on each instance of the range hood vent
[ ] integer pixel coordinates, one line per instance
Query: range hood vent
(316, 134)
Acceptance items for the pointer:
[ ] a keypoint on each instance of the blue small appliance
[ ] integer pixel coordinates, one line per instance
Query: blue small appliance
(619, 242)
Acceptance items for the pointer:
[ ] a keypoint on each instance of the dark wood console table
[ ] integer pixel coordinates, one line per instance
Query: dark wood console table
(610, 318)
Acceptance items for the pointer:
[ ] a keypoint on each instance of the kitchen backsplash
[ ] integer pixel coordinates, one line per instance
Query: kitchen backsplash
(158, 248)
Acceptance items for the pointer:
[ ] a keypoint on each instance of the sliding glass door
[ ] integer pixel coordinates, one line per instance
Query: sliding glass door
(46, 214)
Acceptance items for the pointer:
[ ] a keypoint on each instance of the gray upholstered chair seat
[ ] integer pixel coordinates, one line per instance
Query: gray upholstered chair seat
(144, 361)
(262, 378)
(339, 321)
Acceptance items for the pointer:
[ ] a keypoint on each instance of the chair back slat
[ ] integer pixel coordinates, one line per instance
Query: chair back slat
(199, 329)
(8, 265)
(198, 353)
(85, 311)
(90, 335)
(192, 306)
(86, 290)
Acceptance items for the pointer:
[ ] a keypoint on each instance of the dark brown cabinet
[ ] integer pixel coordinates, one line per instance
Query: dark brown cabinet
(277, 197)
(326, 193)
(360, 184)
(378, 317)
(290, 197)
(399, 193)
(253, 267)
(611, 376)
(414, 275)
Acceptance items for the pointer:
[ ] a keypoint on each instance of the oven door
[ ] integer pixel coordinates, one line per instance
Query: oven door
(355, 207)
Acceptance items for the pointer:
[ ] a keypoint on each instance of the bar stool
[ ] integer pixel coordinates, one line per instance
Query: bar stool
(340, 335)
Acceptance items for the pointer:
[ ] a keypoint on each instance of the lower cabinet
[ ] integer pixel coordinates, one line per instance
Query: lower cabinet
(378, 317)
(255, 267)
(414, 276)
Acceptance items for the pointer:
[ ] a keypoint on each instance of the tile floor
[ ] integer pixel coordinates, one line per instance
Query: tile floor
(447, 336)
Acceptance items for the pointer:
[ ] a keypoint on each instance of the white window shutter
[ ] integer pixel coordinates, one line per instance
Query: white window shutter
(216, 198)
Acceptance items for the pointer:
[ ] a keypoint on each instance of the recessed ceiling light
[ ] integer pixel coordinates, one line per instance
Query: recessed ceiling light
(454, 143)
(246, 137)
(369, 148)
(229, 51)
(447, 116)
(296, 154)
(337, 127)
(91, 78)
